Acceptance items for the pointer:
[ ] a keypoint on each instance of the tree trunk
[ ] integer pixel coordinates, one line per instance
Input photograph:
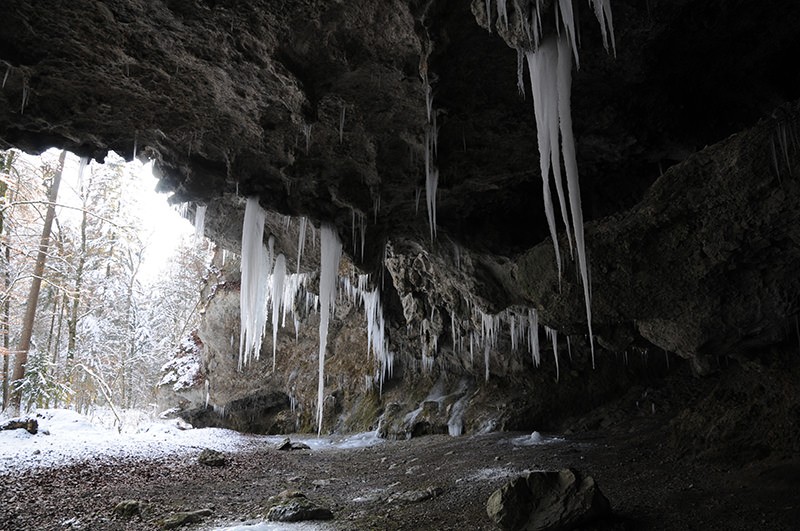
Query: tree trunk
(72, 321)
(21, 358)
(5, 320)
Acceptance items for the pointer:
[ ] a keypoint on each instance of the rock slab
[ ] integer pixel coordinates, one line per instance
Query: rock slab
(547, 501)
(293, 506)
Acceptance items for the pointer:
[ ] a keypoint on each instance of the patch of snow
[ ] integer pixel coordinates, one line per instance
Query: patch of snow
(66, 437)
(491, 474)
(275, 526)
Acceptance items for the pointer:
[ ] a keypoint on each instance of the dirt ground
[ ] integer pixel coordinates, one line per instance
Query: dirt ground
(648, 485)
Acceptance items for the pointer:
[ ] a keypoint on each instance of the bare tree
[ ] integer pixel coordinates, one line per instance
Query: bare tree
(21, 357)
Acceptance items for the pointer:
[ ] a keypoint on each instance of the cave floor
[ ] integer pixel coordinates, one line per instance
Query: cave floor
(648, 485)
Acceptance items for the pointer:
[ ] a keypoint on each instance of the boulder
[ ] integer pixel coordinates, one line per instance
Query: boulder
(211, 457)
(129, 508)
(547, 501)
(293, 506)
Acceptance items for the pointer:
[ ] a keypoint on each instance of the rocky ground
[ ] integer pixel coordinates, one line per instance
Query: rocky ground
(648, 484)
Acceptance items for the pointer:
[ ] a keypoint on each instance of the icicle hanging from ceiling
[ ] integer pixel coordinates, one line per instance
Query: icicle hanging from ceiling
(431, 148)
(278, 279)
(330, 254)
(253, 293)
(550, 66)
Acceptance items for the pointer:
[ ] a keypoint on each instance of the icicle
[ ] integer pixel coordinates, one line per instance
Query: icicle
(135, 142)
(541, 66)
(301, 241)
(431, 184)
(489, 15)
(564, 83)
(376, 208)
(568, 20)
(270, 250)
(341, 125)
(533, 337)
(200, 221)
(26, 92)
(278, 278)
(5, 77)
(330, 254)
(602, 10)
(553, 335)
(307, 134)
(253, 290)
(81, 169)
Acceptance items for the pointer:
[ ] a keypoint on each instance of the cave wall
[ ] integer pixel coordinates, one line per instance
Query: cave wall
(318, 108)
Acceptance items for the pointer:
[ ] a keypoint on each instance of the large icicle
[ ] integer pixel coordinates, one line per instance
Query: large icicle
(564, 83)
(278, 280)
(253, 293)
(330, 254)
(542, 65)
(551, 80)
(431, 147)
(431, 182)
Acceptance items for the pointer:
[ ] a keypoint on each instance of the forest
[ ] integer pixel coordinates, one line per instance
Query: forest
(105, 320)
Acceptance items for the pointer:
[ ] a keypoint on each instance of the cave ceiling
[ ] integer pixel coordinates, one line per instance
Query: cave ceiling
(318, 108)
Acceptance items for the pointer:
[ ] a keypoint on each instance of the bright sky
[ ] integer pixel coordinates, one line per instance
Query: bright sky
(163, 226)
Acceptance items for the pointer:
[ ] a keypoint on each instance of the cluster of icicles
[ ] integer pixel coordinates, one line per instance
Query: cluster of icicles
(266, 286)
(550, 67)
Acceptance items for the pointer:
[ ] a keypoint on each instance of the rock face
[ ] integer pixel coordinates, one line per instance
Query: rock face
(686, 147)
(547, 501)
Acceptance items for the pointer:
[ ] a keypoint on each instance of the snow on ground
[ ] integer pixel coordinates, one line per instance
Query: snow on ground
(275, 526)
(67, 437)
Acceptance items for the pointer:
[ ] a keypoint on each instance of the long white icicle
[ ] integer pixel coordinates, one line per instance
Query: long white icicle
(564, 81)
(542, 65)
(330, 254)
(551, 80)
(278, 280)
(253, 293)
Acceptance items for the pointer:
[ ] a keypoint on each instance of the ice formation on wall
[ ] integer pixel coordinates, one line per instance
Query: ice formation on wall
(377, 342)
